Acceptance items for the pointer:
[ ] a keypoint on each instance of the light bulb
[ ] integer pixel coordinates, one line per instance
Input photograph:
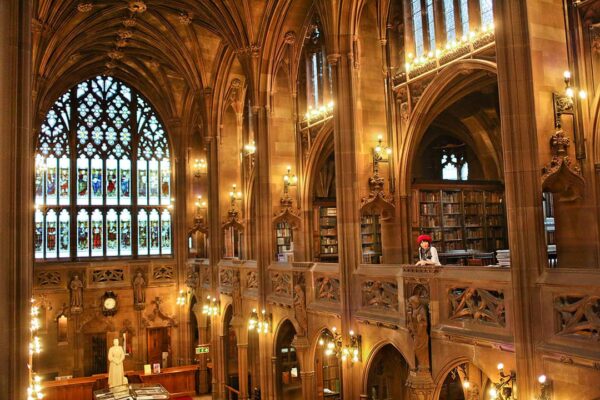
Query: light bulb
(493, 393)
(466, 384)
(569, 92)
(567, 75)
(351, 332)
(321, 342)
(500, 366)
(582, 94)
(542, 379)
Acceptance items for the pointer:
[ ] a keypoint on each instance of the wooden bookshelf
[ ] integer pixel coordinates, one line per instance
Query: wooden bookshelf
(462, 217)
(328, 239)
(283, 238)
(370, 233)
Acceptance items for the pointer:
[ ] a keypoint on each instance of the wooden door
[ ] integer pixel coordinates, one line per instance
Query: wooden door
(159, 341)
(95, 354)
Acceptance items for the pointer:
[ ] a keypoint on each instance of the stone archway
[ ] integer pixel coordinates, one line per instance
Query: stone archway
(288, 384)
(386, 375)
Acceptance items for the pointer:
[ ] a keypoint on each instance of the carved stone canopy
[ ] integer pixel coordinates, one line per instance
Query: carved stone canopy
(559, 175)
(233, 220)
(199, 226)
(378, 201)
(289, 215)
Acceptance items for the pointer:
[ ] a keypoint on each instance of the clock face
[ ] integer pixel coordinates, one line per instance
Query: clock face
(110, 303)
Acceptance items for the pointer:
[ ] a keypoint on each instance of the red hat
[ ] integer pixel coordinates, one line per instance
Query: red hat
(423, 238)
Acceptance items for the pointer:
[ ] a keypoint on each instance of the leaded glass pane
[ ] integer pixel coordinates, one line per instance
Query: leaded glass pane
(125, 189)
(51, 231)
(165, 182)
(83, 234)
(97, 234)
(154, 232)
(125, 233)
(112, 228)
(143, 232)
(142, 182)
(487, 12)
(64, 181)
(418, 27)
(39, 234)
(165, 240)
(64, 243)
(464, 16)
(449, 19)
(112, 172)
(83, 179)
(51, 179)
(153, 185)
(97, 175)
(431, 24)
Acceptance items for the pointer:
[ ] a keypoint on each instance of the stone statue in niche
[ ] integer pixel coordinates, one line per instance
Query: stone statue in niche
(236, 294)
(76, 287)
(116, 373)
(418, 328)
(300, 309)
(139, 291)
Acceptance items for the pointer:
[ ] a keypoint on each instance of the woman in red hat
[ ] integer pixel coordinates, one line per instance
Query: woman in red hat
(427, 253)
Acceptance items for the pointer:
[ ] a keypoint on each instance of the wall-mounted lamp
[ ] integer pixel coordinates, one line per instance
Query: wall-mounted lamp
(335, 346)
(211, 306)
(250, 148)
(234, 195)
(381, 154)
(567, 103)
(181, 298)
(261, 323)
(545, 388)
(201, 205)
(200, 167)
(289, 180)
(503, 390)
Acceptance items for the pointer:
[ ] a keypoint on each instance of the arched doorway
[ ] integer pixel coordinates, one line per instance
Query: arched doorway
(287, 371)
(387, 374)
(328, 370)
(230, 351)
(465, 381)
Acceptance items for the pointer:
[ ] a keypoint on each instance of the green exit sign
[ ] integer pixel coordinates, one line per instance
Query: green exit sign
(202, 349)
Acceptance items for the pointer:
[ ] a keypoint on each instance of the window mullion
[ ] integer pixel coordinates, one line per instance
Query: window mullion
(73, 175)
(134, 177)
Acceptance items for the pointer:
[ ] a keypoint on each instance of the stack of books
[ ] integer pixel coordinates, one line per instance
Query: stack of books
(503, 257)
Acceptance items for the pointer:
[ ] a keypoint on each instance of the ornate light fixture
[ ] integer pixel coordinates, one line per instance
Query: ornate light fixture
(503, 390)
(318, 114)
(261, 323)
(289, 180)
(181, 299)
(335, 346)
(234, 195)
(211, 306)
(564, 103)
(200, 167)
(250, 148)
(545, 388)
(381, 154)
(34, 391)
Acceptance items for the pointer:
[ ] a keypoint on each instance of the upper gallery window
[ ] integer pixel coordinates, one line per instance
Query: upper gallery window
(102, 176)
(487, 12)
(422, 9)
(454, 166)
(464, 16)
(449, 19)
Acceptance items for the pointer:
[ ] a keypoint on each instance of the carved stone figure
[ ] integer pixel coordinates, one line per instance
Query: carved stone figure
(300, 309)
(116, 373)
(329, 289)
(76, 287)
(418, 327)
(139, 292)
(252, 280)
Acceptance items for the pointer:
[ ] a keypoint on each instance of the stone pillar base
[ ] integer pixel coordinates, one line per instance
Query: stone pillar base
(420, 385)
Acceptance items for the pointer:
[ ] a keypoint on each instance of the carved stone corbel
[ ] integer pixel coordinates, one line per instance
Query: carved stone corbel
(378, 201)
(560, 175)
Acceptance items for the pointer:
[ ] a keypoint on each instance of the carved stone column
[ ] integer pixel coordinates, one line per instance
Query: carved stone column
(302, 347)
(521, 169)
(243, 369)
(420, 385)
(346, 176)
(16, 197)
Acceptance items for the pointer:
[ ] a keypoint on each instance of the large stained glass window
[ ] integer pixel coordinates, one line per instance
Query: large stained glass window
(102, 176)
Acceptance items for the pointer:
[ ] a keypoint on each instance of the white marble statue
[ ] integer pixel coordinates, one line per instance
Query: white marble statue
(116, 373)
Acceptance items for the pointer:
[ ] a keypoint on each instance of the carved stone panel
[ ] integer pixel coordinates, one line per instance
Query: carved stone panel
(479, 305)
(226, 277)
(192, 276)
(101, 275)
(327, 289)
(251, 280)
(206, 277)
(380, 294)
(48, 279)
(163, 273)
(281, 283)
(578, 316)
